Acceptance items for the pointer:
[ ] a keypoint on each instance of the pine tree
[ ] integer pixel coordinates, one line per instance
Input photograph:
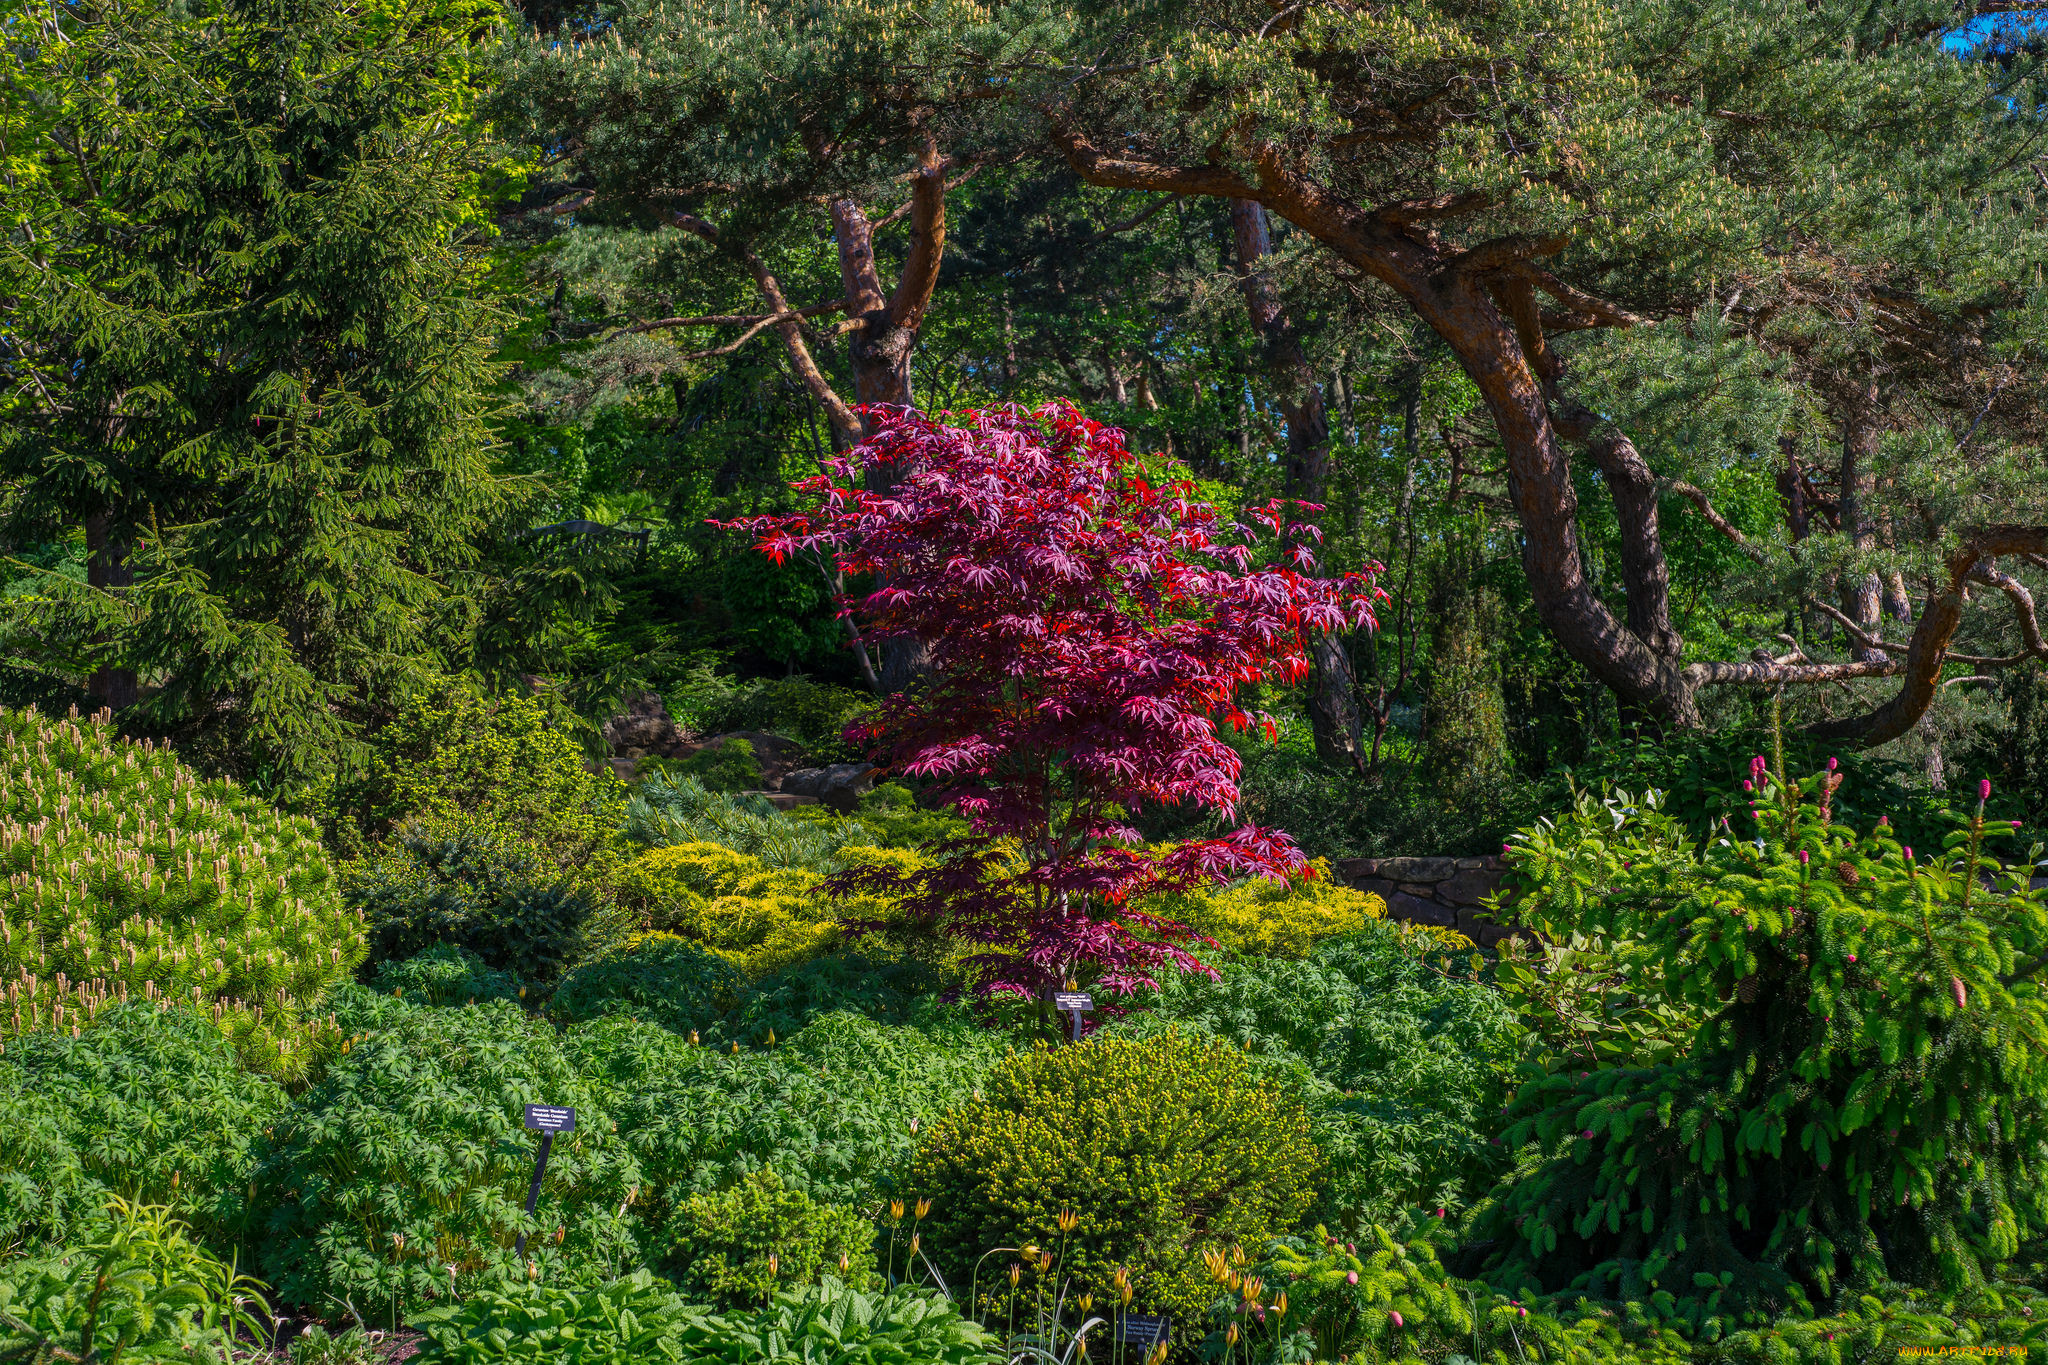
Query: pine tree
(249, 352)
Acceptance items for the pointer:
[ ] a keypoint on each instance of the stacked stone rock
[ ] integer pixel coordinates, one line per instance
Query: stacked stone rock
(1440, 891)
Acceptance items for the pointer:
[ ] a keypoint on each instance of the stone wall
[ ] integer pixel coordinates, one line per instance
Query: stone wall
(1439, 891)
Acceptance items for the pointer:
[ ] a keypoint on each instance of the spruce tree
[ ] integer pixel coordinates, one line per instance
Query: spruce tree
(249, 352)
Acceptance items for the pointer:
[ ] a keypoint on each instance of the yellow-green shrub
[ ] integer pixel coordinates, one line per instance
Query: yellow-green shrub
(1158, 1150)
(759, 918)
(756, 917)
(1274, 919)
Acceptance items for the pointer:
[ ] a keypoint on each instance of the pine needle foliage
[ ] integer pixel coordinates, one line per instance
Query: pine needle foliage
(250, 338)
(129, 877)
(1863, 1101)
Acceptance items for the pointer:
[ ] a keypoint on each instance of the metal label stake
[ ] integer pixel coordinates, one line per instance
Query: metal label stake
(548, 1119)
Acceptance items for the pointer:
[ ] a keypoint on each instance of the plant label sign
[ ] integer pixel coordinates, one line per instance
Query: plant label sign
(547, 1120)
(1139, 1330)
(1073, 1004)
(551, 1118)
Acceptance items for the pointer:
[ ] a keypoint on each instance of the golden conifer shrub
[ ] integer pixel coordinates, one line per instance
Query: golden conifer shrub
(127, 876)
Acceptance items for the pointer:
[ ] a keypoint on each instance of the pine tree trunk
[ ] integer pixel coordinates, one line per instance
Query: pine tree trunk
(107, 547)
(1333, 689)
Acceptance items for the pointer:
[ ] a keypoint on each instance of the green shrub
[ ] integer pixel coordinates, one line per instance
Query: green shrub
(813, 714)
(149, 1104)
(731, 767)
(740, 1246)
(458, 755)
(756, 917)
(832, 1110)
(446, 975)
(637, 1319)
(1160, 1148)
(1401, 1066)
(475, 887)
(134, 1289)
(1857, 1106)
(667, 980)
(125, 875)
(402, 1175)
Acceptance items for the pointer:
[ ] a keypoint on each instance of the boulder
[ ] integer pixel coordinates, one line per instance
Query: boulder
(784, 800)
(1415, 910)
(1467, 887)
(838, 785)
(1417, 869)
(1352, 869)
(643, 729)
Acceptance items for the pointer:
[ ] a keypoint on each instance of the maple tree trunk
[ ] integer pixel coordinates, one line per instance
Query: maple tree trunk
(1333, 712)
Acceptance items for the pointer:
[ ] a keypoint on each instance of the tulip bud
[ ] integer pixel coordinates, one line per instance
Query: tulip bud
(1230, 1337)
(774, 1264)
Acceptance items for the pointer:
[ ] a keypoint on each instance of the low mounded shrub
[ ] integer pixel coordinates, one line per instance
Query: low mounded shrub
(477, 887)
(1156, 1150)
(402, 1175)
(664, 979)
(446, 975)
(757, 918)
(740, 1246)
(832, 1109)
(149, 1104)
(123, 875)
(729, 766)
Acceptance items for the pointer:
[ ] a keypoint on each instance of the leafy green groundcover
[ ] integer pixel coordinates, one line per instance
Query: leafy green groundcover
(638, 1319)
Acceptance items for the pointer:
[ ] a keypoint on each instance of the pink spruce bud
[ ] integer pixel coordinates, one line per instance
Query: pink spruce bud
(1588, 1135)
(1909, 853)
(1833, 764)
(1804, 856)
(1747, 785)
(1984, 790)
(1395, 1318)
(1351, 1277)
(1852, 957)
(1439, 1213)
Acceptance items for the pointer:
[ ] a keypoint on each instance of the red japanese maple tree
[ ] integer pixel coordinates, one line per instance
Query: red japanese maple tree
(1086, 631)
